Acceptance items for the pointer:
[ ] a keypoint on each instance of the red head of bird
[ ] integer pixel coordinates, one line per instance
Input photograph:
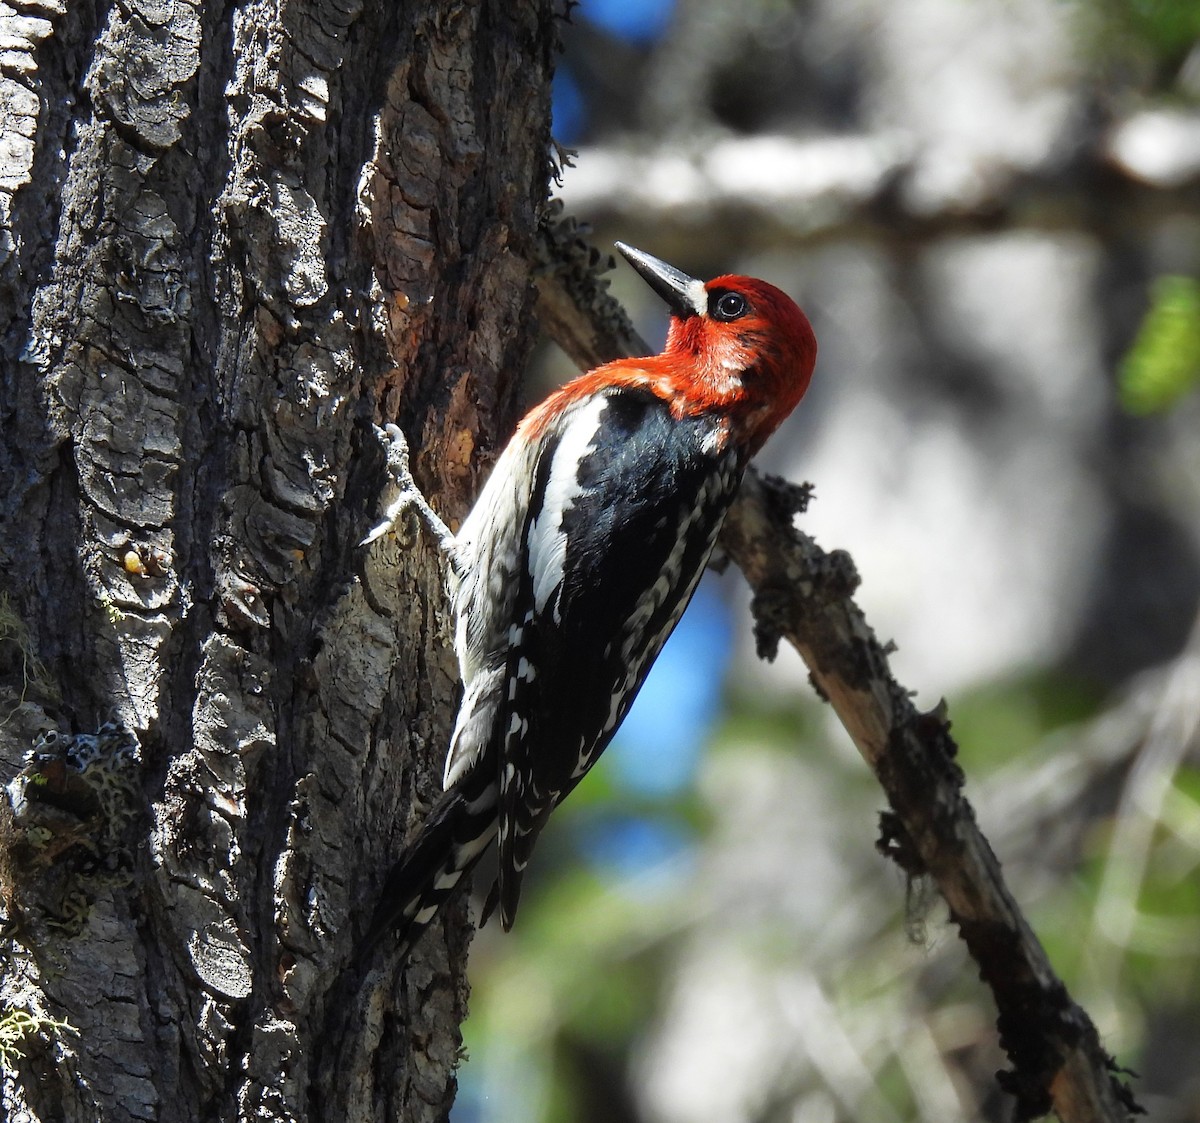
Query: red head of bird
(735, 343)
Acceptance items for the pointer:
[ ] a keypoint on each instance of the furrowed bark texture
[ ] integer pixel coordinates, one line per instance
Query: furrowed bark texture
(805, 595)
(231, 238)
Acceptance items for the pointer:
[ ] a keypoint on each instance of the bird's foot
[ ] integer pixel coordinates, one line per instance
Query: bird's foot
(408, 497)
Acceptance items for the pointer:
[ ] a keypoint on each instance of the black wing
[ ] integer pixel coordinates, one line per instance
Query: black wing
(638, 515)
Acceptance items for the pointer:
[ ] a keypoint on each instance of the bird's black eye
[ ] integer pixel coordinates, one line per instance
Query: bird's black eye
(728, 306)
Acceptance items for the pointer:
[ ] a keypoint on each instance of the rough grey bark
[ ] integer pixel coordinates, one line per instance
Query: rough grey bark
(231, 238)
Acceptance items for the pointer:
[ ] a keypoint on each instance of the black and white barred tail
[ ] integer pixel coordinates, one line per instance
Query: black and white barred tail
(451, 841)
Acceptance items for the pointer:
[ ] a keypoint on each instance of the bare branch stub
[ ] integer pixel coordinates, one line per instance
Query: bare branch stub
(805, 595)
(574, 306)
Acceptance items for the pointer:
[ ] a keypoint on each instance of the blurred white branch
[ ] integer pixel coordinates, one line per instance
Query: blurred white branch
(809, 184)
(806, 183)
(1159, 147)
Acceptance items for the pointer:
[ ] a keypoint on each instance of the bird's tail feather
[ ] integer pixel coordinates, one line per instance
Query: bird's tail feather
(432, 866)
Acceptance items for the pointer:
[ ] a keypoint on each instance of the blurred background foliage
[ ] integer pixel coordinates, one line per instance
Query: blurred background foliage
(1163, 364)
(991, 211)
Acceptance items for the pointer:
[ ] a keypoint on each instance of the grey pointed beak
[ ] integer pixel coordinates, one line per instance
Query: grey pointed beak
(685, 295)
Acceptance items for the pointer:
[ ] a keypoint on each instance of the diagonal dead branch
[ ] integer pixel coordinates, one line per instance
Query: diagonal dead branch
(805, 595)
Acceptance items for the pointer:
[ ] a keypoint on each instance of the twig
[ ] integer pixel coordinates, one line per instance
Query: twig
(805, 595)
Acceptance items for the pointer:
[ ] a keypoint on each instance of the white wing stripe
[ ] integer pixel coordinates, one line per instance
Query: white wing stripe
(547, 539)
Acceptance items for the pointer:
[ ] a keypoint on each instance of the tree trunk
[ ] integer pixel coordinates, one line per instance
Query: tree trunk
(231, 239)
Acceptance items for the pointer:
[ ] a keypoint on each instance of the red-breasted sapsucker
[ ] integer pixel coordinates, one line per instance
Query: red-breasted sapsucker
(577, 561)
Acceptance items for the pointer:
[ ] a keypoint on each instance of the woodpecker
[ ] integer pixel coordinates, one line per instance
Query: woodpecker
(577, 561)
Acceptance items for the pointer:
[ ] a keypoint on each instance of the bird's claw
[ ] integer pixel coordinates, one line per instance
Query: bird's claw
(393, 438)
(408, 497)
